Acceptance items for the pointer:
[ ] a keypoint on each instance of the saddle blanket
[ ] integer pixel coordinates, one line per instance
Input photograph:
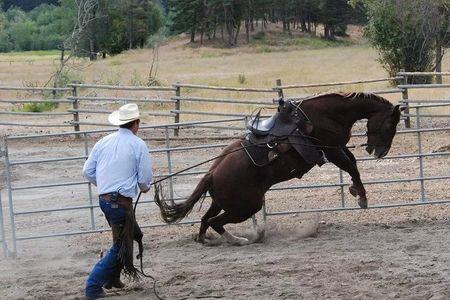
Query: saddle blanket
(261, 154)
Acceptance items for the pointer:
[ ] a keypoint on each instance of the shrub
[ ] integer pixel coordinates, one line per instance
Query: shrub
(260, 35)
(242, 79)
(38, 107)
(404, 33)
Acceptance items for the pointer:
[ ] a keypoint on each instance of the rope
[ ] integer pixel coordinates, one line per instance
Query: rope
(151, 277)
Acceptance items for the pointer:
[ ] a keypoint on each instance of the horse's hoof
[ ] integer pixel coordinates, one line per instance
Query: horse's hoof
(240, 241)
(362, 202)
(260, 235)
(353, 191)
(200, 239)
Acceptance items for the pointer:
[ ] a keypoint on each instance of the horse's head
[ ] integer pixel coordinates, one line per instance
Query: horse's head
(381, 128)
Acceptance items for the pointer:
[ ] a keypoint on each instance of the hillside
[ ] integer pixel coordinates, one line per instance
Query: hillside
(294, 60)
(26, 4)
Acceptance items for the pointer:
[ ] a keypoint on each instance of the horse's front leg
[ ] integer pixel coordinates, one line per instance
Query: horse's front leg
(346, 161)
(357, 188)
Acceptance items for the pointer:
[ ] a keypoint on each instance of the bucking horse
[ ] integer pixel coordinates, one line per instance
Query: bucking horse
(289, 144)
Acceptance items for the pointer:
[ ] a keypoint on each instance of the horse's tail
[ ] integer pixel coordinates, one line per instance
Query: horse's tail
(174, 212)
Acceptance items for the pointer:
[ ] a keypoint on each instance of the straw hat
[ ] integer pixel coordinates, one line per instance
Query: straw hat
(125, 114)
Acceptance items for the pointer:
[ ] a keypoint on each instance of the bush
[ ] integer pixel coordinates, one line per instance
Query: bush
(401, 31)
(38, 107)
(260, 35)
(242, 79)
(136, 79)
(67, 76)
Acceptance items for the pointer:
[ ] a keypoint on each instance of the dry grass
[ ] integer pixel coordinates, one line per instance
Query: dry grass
(210, 65)
(213, 66)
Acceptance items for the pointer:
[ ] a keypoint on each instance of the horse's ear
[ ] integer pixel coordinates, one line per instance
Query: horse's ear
(280, 104)
(398, 108)
(396, 113)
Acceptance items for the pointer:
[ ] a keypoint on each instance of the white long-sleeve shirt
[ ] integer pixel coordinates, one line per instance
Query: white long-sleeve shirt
(119, 162)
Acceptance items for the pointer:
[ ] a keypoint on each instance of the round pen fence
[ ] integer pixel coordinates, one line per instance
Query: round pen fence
(47, 181)
(79, 105)
(24, 102)
(42, 187)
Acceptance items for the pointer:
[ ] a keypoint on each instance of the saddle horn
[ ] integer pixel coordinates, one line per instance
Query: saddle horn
(280, 103)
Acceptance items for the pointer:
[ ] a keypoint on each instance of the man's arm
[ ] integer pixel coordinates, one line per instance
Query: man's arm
(90, 166)
(145, 172)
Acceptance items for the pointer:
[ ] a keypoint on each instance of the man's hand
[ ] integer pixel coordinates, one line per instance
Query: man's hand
(144, 187)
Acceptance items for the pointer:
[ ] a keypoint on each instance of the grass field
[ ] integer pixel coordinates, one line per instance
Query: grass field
(295, 60)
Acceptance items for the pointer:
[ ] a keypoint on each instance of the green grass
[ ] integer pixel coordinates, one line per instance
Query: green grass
(32, 53)
(115, 62)
(279, 41)
(38, 107)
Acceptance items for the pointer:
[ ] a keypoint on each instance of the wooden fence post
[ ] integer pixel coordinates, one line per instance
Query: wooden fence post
(177, 107)
(75, 106)
(404, 80)
(280, 90)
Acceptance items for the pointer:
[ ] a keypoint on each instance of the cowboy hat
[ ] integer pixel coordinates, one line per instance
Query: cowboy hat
(125, 114)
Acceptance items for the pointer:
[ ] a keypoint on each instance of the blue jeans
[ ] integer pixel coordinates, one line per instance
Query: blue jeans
(109, 267)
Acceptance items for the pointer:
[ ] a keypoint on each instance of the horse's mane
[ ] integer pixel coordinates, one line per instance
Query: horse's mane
(371, 96)
(351, 96)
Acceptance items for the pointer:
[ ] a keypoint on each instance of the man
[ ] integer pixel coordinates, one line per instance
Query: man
(118, 164)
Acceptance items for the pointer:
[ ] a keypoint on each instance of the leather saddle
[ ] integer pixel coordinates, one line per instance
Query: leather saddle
(288, 125)
(261, 127)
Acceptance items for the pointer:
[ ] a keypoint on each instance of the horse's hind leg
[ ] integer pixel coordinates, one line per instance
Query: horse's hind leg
(213, 211)
(219, 221)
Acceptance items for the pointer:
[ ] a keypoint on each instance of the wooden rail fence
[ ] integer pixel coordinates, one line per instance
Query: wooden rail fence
(172, 103)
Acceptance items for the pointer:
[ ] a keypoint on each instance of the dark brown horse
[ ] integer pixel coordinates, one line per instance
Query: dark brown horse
(237, 186)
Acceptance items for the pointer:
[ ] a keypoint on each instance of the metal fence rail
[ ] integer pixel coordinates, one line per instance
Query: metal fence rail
(54, 99)
(2, 224)
(12, 188)
(170, 150)
(175, 100)
(416, 115)
(172, 106)
(2, 230)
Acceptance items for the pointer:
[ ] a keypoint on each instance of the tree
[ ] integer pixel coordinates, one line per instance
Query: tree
(205, 17)
(406, 33)
(5, 43)
(334, 14)
(116, 31)
(25, 5)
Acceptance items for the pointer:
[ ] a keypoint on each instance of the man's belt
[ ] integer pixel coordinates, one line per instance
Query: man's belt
(110, 196)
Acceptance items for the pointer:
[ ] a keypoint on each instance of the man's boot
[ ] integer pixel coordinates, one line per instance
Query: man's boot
(115, 283)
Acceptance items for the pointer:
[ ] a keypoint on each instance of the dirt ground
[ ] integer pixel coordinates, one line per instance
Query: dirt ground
(365, 254)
